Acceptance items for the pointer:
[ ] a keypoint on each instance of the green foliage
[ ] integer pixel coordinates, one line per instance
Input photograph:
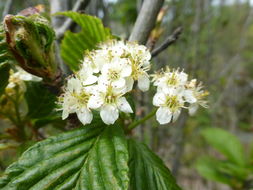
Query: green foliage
(74, 45)
(5, 55)
(235, 169)
(5, 58)
(225, 143)
(125, 11)
(4, 73)
(147, 171)
(53, 118)
(91, 157)
(207, 167)
(40, 100)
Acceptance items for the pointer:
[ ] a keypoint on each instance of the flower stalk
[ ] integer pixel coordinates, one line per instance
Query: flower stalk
(144, 119)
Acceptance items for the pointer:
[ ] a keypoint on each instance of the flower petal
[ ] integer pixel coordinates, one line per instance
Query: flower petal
(74, 84)
(176, 115)
(85, 116)
(163, 115)
(193, 108)
(95, 102)
(109, 114)
(129, 84)
(90, 80)
(124, 106)
(119, 83)
(159, 99)
(126, 71)
(189, 96)
(143, 82)
(65, 114)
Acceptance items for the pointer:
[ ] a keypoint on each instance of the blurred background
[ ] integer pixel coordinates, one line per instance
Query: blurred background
(215, 47)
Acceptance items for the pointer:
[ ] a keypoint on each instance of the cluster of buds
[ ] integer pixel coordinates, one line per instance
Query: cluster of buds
(174, 92)
(106, 75)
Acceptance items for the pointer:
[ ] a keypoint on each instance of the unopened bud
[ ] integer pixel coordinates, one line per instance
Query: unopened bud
(31, 40)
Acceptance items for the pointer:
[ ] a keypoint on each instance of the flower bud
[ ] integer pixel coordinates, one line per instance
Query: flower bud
(31, 40)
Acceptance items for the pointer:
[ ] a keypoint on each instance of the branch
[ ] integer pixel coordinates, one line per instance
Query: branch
(7, 8)
(146, 20)
(170, 40)
(66, 25)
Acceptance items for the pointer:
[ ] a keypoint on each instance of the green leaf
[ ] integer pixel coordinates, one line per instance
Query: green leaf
(53, 120)
(4, 76)
(225, 143)
(40, 101)
(251, 153)
(147, 171)
(92, 157)
(209, 169)
(5, 55)
(74, 45)
(5, 58)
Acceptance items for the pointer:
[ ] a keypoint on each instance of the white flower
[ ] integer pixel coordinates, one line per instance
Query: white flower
(109, 101)
(170, 79)
(139, 52)
(175, 92)
(86, 76)
(75, 100)
(112, 49)
(140, 59)
(106, 75)
(20, 75)
(194, 94)
(115, 73)
(137, 55)
(23, 75)
(90, 62)
(170, 104)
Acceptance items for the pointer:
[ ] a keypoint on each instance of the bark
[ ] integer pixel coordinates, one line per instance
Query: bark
(58, 6)
(167, 42)
(68, 22)
(7, 8)
(146, 20)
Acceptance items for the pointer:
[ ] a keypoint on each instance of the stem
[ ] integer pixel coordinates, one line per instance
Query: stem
(18, 121)
(136, 123)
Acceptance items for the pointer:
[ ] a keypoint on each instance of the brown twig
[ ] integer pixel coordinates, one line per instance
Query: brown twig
(169, 41)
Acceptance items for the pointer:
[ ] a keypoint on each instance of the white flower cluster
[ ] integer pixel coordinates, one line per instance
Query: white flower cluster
(174, 92)
(106, 75)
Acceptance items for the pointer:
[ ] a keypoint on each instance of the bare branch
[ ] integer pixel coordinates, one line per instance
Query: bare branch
(7, 8)
(170, 40)
(146, 20)
(68, 22)
(57, 22)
